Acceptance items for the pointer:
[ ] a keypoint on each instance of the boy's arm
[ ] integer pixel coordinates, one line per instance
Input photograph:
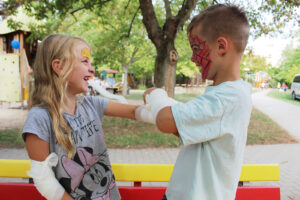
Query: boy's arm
(165, 121)
(115, 109)
(160, 109)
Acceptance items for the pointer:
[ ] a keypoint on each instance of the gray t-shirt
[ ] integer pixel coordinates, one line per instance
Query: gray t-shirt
(88, 175)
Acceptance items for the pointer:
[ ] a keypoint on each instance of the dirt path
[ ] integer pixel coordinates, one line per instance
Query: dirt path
(12, 116)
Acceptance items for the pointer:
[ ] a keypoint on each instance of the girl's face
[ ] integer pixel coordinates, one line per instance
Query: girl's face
(82, 71)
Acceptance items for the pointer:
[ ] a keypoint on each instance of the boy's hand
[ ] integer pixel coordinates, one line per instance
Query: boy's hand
(148, 91)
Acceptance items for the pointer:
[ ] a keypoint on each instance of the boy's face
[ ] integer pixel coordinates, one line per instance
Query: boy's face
(200, 54)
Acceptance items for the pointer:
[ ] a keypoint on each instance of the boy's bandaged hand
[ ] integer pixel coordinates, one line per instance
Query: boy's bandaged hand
(157, 100)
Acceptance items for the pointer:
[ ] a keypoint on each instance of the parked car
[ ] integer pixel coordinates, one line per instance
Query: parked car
(295, 88)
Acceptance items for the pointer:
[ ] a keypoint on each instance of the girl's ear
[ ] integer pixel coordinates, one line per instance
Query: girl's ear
(57, 68)
(223, 46)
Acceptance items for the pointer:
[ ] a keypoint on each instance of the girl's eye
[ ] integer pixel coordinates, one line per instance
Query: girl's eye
(85, 61)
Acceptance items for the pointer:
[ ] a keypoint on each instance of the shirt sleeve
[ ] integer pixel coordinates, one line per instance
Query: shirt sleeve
(100, 105)
(38, 122)
(199, 120)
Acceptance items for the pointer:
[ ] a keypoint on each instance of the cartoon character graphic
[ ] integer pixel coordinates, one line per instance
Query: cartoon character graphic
(90, 175)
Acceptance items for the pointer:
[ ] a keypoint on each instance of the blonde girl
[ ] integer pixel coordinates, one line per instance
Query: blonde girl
(63, 132)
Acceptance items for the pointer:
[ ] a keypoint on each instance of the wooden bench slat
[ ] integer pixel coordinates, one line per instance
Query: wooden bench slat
(16, 191)
(258, 193)
(142, 172)
(147, 172)
(162, 172)
(259, 172)
(14, 168)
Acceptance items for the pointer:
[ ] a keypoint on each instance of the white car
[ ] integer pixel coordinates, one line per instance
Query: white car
(295, 88)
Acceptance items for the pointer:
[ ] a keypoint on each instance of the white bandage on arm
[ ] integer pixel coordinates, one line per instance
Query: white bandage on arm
(144, 114)
(157, 100)
(44, 178)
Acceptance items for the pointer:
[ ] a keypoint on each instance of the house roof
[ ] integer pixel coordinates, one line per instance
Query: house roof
(19, 17)
(110, 71)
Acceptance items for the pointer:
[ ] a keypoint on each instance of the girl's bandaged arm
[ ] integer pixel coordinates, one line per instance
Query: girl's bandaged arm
(38, 151)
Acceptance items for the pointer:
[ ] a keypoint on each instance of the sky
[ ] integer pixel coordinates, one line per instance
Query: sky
(272, 48)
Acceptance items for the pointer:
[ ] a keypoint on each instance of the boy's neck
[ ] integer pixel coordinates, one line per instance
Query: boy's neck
(228, 72)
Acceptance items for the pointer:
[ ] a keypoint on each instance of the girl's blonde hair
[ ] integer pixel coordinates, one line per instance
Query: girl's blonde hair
(49, 88)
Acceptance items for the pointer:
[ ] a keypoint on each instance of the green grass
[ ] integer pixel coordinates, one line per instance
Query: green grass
(135, 96)
(285, 96)
(125, 133)
(11, 138)
(263, 130)
(178, 97)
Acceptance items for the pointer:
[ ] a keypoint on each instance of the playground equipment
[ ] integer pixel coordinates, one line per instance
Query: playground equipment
(102, 91)
(16, 56)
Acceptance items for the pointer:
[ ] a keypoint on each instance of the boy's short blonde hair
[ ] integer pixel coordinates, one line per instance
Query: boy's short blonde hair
(223, 20)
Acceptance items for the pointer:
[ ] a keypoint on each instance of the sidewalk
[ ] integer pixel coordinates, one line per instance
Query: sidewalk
(287, 115)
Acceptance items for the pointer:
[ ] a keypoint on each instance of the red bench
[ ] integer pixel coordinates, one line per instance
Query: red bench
(139, 173)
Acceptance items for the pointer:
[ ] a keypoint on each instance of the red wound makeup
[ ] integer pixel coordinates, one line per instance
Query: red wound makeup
(200, 54)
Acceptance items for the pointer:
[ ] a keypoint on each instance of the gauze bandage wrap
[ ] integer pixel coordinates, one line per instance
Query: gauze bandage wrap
(144, 114)
(44, 178)
(155, 101)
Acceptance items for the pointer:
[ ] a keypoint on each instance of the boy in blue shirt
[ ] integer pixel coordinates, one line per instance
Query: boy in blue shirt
(213, 126)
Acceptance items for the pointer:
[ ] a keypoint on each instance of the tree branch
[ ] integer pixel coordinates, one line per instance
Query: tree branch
(127, 5)
(150, 21)
(185, 12)
(168, 9)
(141, 56)
(132, 55)
(295, 2)
(131, 23)
(76, 10)
(174, 23)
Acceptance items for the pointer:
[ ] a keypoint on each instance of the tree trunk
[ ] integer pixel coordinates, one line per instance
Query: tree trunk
(163, 38)
(165, 68)
(125, 83)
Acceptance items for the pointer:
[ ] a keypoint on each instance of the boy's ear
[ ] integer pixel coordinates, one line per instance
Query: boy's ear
(223, 46)
(57, 68)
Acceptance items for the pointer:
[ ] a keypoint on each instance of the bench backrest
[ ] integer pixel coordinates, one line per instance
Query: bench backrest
(139, 173)
(147, 172)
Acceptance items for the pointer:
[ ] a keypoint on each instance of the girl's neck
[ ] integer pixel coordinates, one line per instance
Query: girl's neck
(70, 105)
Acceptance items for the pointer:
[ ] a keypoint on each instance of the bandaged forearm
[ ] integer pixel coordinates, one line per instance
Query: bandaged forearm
(157, 100)
(44, 178)
(144, 114)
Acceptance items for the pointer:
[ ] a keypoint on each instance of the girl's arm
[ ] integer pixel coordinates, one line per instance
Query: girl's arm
(38, 150)
(115, 109)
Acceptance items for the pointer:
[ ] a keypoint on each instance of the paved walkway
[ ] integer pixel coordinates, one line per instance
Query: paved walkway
(286, 155)
(287, 115)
